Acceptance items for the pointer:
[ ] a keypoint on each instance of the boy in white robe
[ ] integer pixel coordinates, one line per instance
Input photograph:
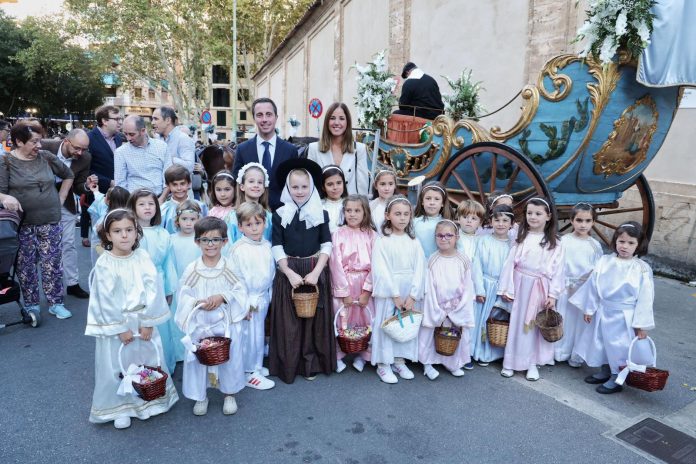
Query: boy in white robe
(211, 303)
(252, 261)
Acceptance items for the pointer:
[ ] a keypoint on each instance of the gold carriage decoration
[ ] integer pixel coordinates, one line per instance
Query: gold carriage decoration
(606, 77)
(627, 145)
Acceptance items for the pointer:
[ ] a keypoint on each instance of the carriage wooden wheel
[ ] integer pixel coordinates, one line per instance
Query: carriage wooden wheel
(611, 216)
(481, 168)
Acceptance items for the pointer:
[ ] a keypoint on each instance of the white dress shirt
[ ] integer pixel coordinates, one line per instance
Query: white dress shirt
(181, 148)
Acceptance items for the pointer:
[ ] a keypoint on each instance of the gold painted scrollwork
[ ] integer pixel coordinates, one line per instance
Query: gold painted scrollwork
(531, 96)
(561, 82)
(627, 145)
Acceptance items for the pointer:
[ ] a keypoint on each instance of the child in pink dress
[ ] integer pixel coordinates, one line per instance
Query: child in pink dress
(533, 276)
(351, 272)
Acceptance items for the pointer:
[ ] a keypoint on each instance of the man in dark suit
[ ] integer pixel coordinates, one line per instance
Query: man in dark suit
(72, 151)
(104, 139)
(266, 147)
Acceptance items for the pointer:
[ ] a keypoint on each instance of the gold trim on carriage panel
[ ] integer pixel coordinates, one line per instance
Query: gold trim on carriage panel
(561, 82)
(531, 95)
(613, 157)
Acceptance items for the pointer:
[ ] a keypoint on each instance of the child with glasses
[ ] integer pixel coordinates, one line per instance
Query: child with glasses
(449, 300)
(211, 304)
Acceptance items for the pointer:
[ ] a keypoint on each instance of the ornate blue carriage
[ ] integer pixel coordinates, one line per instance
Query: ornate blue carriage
(586, 133)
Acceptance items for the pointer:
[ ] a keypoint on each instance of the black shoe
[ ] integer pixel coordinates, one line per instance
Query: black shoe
(77, 292)
(608, 391)
(591, 379)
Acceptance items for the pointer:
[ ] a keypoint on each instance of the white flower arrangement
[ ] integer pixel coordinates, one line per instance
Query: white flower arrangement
(614, 24)
(376, 87)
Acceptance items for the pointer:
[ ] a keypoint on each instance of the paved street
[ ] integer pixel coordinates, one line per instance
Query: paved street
(47, 380)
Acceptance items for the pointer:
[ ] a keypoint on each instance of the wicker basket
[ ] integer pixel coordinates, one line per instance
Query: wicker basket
(403, 325)
(350, 345)
(497, 331)
(446, 343)
(148, 391)
(305, 303)
(217, 353)
(653, 379)
(550, 325)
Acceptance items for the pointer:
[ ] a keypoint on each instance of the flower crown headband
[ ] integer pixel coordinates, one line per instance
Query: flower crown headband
(187, 210)
(243, 170)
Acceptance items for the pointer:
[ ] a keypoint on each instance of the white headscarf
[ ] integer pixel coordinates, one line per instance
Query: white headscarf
(312, 211)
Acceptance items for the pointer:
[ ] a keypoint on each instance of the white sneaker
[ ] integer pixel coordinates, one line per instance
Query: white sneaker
(340, 366)
(430, 372)
(507, 373)
(403, 371)
(122, 422)
(229, 407)
(259, 382)
(200, 408)
(385, 374)
(457, 372)
(264, 371)
(359, 364)
(532, 373)
(575, 362)
(482, 363)
(310, 378)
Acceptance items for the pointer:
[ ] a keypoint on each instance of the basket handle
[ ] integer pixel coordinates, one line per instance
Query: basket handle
(225, 317)
(316, 289)
(451, 323)
(120, 357)
(631, 366)
(335, 323)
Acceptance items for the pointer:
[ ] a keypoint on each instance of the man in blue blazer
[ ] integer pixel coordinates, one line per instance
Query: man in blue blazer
(266, 147)
(104, 139)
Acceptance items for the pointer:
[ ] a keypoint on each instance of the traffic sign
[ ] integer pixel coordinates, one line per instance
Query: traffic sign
(315, 108)
(206, 117)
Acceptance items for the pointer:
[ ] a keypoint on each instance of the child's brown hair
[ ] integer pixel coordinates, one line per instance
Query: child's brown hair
(387, 226)
(367, 223)
(176, 172)
(434, 186)
(186, 206)
(249, 210)
(113, 216)
(141, 193)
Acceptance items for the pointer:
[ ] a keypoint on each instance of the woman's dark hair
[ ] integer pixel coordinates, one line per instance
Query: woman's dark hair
(445, 211)
(113, 216)
(329, 171)
(386, 225)
(388, 171)
(582, 206)
(550, 236)
(325, 141)
(209, 224)
(226, 176)
(24, 130)
(117, 197)
(141, 193)
(635, 230)
(367, 223)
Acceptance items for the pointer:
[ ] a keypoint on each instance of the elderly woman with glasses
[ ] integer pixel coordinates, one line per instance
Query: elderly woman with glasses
(28, 184)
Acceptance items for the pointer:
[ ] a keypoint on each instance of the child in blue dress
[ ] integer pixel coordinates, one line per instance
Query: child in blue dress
(433, 206)
(157, 242)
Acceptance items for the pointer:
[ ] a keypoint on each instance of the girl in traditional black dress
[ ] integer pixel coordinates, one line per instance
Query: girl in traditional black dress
(301, 246)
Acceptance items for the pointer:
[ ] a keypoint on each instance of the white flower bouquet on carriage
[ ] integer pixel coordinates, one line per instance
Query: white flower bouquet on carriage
(376, 86)
(614, 24)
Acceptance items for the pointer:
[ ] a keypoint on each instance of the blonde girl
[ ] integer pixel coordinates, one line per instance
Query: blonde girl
(252, 185)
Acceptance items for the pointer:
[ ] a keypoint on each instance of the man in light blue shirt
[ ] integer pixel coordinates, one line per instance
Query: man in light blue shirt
(141, 162)
(181, 147)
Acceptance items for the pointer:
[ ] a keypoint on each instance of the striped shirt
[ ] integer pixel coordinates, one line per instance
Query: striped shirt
(141, 167)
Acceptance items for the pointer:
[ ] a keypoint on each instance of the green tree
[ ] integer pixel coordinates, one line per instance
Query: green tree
(179, 40)
(65, 78)
(12, 79)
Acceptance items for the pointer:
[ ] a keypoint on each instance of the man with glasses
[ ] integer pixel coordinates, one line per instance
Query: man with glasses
(104, 139)
(73, 152)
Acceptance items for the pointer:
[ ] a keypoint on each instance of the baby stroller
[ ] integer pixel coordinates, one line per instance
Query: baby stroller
(9, 289)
